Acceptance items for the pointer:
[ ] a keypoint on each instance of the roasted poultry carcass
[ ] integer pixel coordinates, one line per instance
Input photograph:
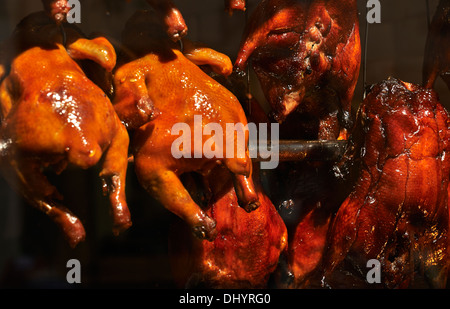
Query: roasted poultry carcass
(161, 81)
(437, 48)
(306, 55)
(397, 212)
(247, 248)
(53, 116)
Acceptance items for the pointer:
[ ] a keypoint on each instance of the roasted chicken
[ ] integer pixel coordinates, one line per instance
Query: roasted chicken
(161, 81)
(247, 248)
(53, 116)
(437, 48)
(397, 212)
(306, 55)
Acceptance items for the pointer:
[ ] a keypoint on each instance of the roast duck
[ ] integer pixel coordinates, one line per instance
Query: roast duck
(247, 248)
(397, 212)
(437, 48)
(54, 117)
(306, 56)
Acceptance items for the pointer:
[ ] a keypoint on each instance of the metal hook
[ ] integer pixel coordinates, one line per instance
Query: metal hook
(249, 101)
(180, 41)
(63, 33)
(366, 35)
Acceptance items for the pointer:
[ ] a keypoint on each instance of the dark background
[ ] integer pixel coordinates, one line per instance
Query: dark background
(32, 250)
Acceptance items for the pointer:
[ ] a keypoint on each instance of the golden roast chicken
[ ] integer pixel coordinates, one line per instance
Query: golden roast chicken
(53, 116)
(161, 87)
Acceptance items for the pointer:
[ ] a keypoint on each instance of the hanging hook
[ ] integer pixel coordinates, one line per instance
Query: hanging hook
(63, 33)
(180, 42)
(248, 94)
(366, 35)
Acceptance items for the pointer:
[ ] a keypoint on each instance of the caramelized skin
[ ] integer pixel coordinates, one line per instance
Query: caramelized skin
(56, 9)
(52, 116)
(171, 17)
(246, 250)
(234, 5)
(437, 49)
(163, 79)
(306, 55)
(397, 212)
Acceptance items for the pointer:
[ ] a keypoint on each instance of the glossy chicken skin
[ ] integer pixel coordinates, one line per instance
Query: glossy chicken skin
(164, 82)
(53, 116)
(437, 48)
(397, 212)
(306, 55)
(247, 248)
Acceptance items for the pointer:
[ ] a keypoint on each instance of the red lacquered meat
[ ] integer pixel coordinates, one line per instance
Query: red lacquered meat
(397, 212)
(306, 55)
(247, 247)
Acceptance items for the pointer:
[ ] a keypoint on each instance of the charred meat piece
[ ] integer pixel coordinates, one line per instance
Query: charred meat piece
(164, 82)
(306, 55)
(397, 212)
(437, 48)
(53, 116)
(247, 248)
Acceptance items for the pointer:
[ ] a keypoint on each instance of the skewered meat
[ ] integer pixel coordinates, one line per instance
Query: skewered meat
(53, 116)
(437, 48)
(56, 9)
(171, 17)
(397, 212)
(162, 79)
(306, 55)
(246, 250)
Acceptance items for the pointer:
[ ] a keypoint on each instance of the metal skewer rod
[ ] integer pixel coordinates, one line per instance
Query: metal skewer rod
(300, 150)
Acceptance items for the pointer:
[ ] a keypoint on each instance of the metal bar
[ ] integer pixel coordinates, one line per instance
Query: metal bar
(300, 150)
